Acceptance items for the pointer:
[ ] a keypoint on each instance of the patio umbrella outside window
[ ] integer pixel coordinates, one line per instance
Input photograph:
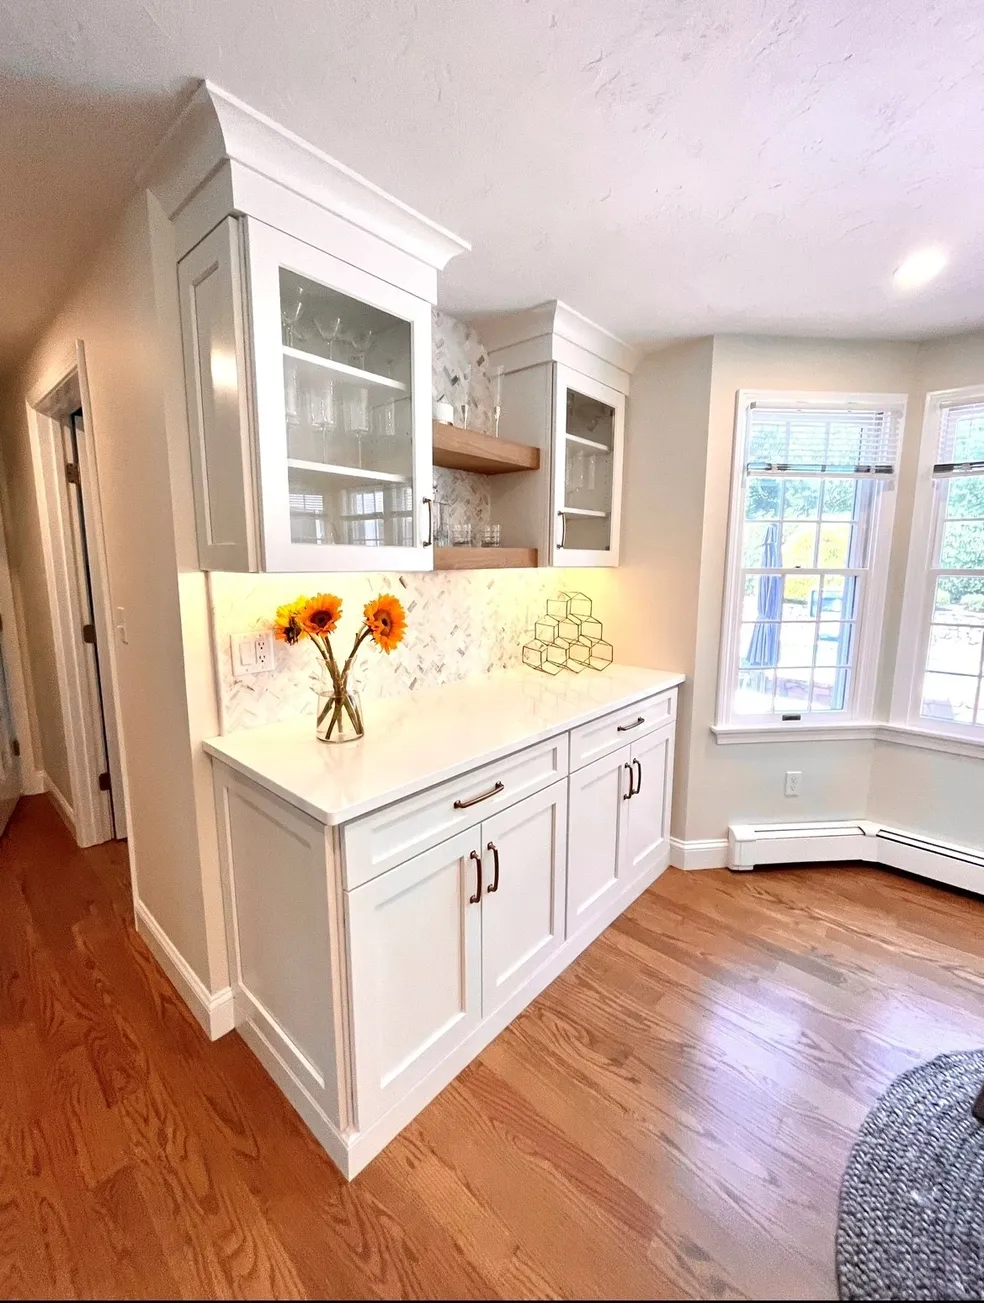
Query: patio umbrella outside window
(763, 646)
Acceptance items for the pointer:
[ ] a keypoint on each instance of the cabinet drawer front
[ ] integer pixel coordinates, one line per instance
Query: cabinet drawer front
(387, 837)
(602, 736)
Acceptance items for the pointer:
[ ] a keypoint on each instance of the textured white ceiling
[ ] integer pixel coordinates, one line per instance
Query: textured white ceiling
(668, 168)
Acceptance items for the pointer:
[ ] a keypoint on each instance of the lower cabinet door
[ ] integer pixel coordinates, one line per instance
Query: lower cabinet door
(524, 852)
(597, 796)
(416, 967)
(645, 835)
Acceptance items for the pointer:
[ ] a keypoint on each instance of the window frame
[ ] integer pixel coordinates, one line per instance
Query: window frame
(920, 578)
(873, 588)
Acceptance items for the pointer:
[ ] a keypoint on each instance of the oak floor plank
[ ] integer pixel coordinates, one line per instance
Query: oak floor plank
(670, 1118)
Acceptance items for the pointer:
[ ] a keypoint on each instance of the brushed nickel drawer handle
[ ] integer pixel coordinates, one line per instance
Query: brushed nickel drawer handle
(483, 796)
(624, 728)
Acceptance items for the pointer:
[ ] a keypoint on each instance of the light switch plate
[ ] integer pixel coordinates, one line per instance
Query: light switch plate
(252, 653)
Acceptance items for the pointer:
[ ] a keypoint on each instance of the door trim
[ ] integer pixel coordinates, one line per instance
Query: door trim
(47, 411)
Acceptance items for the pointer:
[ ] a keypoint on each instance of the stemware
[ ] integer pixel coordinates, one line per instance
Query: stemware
(329, 329)
(290, 316)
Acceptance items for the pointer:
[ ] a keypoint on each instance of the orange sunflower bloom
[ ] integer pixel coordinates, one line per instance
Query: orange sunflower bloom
(286, 624)
(321, 614)
(386, 620)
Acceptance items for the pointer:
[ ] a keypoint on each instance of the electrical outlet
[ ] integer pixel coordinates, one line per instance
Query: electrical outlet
(794, 779)
(252, 653)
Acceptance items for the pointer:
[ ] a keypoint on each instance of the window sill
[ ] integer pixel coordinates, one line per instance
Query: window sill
(911, 735)
(854, 731)
(900, 734)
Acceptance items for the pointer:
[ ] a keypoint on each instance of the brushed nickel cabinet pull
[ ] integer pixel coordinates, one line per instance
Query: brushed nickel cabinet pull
(473, 900)
(482, 796)
(638, 764)
(624, 728)
(563, 529)
(495, 869)
(627, 796)
(429, 504)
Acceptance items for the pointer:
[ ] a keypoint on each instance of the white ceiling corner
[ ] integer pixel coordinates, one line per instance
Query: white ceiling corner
(666, 169)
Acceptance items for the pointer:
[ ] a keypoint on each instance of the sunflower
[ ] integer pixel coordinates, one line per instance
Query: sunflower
(286, 624)
(321, 614)
(386, 621)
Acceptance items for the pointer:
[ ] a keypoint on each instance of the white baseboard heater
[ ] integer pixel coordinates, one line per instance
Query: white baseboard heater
(758, 845)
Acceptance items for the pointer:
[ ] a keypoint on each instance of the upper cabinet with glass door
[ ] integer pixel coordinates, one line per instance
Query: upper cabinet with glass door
(563, 383)
(590, 419)
(306, 327)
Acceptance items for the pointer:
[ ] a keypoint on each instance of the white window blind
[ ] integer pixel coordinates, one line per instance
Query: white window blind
(961, 446)
(827, 442)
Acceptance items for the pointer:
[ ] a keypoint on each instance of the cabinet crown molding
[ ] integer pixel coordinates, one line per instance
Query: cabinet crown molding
(547, 328)
(215, 127)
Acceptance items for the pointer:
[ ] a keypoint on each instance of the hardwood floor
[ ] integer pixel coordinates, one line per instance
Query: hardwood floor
(671, 1118)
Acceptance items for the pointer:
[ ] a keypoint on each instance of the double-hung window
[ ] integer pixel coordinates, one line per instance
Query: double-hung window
(810, 528)
(943, 621)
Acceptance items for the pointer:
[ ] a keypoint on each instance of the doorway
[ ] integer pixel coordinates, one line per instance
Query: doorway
(79, 601)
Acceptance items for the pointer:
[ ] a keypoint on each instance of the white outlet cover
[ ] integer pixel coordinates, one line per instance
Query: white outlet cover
(252, 653)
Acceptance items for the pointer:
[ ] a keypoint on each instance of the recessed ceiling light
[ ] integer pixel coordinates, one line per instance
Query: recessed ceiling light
(919, 268)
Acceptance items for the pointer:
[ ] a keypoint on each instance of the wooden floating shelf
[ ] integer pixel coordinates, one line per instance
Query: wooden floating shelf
(484, 558)
(468, 450)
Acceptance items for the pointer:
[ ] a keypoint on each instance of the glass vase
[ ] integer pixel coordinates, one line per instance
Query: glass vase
(339, 717)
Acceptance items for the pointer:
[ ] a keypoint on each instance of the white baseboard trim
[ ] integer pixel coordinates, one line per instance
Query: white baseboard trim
(704, 853)
(214, 1011)
(758, 845)
(61, 804)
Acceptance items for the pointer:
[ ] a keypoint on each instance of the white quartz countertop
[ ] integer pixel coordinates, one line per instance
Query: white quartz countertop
(425, 737)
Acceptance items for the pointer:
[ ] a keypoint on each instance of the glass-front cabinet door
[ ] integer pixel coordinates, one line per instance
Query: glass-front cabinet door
(589, 419)
(342, 381)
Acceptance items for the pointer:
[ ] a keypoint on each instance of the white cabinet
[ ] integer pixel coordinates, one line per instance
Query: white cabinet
(446, 938)
(586, 490)
(597, 794)
(644, 835)
(309, 392)
(563, 389)
(619, 823)
(524, 857)
(373, 958)
(416, 962)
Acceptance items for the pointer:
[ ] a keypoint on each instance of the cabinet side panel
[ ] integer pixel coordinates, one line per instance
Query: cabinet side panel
(217, 385)
(279, 881)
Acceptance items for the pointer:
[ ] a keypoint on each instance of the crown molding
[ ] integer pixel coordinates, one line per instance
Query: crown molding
(215, 127)
(552, 325)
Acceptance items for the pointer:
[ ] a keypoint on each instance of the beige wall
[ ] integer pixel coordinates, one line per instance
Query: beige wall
(132, 383)
(30, 594)
(734, 783)
(924, 791)
(649, 604)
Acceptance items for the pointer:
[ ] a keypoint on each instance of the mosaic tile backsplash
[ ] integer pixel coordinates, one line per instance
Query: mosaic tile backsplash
(459, 624)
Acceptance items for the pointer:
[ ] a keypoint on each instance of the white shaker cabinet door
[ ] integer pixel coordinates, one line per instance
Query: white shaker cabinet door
(645, 835)
(598, 794)
(415, 938)
(524, 850)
